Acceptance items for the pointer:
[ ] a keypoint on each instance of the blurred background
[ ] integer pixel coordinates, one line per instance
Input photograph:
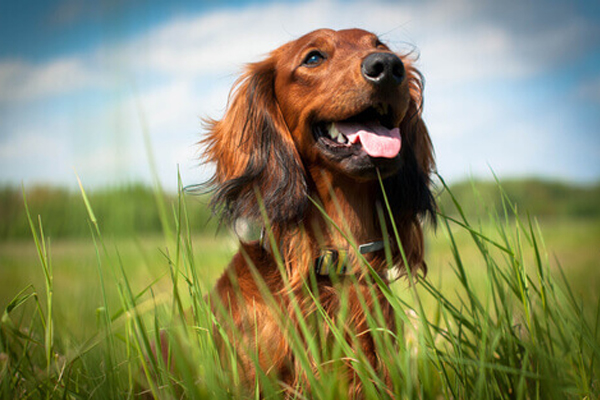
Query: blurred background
(512, 87)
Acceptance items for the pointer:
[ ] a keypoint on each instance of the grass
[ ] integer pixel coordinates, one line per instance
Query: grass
(77, 288)
(494, 318)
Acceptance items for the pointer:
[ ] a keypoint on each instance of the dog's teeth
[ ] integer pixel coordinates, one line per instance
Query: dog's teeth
(336, 135)
(333, 131)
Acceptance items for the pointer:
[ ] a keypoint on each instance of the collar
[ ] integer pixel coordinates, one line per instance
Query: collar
(333, 261)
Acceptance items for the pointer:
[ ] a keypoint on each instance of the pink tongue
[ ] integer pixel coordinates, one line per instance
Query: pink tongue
(377, 140)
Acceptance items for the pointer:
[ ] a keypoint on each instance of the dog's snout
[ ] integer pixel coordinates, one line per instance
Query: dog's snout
(383, 69)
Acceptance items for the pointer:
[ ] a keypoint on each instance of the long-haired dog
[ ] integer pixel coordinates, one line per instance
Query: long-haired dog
(310, 136)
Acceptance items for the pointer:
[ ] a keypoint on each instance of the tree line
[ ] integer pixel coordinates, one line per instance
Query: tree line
(132, 210)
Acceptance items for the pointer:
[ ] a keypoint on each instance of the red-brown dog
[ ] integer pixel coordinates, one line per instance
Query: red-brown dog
(311, 126)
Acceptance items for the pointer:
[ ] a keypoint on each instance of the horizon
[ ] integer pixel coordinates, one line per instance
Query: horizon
(191, 190)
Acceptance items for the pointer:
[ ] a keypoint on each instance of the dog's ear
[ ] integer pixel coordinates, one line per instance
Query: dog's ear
(409, 190)
(254, 154)
(413, 126)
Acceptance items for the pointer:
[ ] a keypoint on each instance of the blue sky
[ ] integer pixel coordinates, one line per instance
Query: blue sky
(511, 86)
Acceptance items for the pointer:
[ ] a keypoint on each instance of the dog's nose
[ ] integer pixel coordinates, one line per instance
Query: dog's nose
(383, 69)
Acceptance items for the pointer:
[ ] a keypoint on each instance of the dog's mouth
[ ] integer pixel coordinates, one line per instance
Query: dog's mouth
(371, 130)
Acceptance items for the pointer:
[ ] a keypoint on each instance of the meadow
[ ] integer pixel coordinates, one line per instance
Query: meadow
(509, 308)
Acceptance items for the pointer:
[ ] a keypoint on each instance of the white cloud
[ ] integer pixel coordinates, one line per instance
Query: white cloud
(456, 116)
(34, 156)
(455, 46)
(32, 145)
(21, 81)
(470, 55)
(222, 42)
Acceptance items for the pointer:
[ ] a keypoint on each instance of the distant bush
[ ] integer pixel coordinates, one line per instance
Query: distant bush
(543, 199)
(121, 211)
(131, 209)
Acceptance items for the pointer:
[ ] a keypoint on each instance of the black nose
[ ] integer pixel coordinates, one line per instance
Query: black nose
(383, 69)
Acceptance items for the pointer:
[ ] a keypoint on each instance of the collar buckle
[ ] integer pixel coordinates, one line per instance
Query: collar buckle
(335, 261)
(332, 262)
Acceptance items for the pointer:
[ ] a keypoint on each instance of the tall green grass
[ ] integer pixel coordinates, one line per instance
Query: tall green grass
(522, 334)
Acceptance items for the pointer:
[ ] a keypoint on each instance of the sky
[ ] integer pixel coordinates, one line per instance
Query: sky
(512, 87)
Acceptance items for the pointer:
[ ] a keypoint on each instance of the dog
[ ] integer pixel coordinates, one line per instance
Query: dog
(316, 140)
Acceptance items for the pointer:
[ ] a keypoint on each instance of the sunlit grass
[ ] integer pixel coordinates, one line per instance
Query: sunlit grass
(495, 320)
(77, 293)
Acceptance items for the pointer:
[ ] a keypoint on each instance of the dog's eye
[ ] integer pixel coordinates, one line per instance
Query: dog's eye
(313, 59)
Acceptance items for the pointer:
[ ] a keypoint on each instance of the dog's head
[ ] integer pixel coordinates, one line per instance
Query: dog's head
(339, 101)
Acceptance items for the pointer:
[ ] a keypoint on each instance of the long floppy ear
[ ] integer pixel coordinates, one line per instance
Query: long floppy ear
(409, 189)
(253, 151)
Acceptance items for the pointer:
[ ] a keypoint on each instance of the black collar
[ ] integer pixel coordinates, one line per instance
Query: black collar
(334, 261)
